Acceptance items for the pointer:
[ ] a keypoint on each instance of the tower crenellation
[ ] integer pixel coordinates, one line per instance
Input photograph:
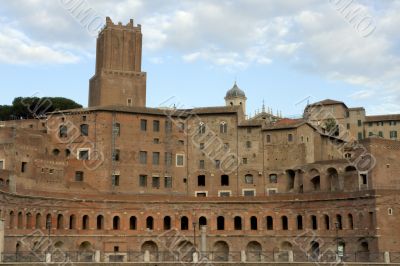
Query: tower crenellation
(118, 78)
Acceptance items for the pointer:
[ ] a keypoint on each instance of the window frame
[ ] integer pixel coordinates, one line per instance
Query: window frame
(81, 150)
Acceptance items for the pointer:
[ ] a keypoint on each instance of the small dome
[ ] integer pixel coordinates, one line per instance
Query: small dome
(235, 92)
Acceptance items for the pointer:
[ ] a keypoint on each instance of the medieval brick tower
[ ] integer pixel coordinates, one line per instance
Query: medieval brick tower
(119, 79)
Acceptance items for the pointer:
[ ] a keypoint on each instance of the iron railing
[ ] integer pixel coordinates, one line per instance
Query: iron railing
(166, 256)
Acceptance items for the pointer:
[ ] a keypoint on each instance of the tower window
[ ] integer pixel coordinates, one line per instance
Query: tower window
(201, 181)
(224, 180)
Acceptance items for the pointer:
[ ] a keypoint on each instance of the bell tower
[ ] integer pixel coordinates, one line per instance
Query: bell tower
(118, 79)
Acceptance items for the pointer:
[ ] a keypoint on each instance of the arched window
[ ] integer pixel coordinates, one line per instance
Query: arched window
(28, 220)
(100, 222)
(350, 219)
(56, 152)
(202, 128)
(270, 223)
(223, 127)
(202, 221)
(248, 179)
(60, 222)
(327, 222)
(38, 221)
(339, 224)
(48, 221)
(253, 223)
(167, 223)
(237, 223)
(285, 225)
(132, 223)
(72, 222)
(150, 223)
(184, 223)
(220, 223)
(11, 221)
(20, 221)
(116, 223)
(85, 222)
(299, 222)
(314, 223)
(85, 130)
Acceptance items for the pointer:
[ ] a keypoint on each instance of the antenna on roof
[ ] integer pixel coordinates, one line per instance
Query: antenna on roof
(263, 107)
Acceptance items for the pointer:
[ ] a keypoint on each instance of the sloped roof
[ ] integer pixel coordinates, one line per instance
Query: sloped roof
(327, 102)
(377, 118)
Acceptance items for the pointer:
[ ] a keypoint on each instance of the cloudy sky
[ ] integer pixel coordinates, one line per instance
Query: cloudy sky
(280, 51)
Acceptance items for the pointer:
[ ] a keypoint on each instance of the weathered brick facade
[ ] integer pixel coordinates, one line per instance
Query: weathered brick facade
(115, 177)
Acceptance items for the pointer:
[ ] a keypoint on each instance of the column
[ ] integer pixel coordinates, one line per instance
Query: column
(1, 239)
(203, 240)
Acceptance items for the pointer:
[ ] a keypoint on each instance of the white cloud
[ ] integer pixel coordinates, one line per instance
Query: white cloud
(16, 48)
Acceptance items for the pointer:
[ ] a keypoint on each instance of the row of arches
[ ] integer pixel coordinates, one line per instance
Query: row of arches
(299, 222)
(317, 180)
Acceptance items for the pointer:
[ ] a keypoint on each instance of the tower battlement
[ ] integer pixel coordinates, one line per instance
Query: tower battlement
(119, 49)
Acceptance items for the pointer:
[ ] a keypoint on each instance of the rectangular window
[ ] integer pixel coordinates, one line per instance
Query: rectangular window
(117, 129)
(370, 134)
(224, 180)
(115, 180)
(380, 134)
(249, 192)
(168, 182)
(1, 164)
(156, 158)
(83, 154)
(156, 126)
(180, 160)
(63, 132)
(224, 193)
(348, 126)
(129, 101)
(393, 134)
(201, 164)
(116, 155)
(168, 126)
(392, 123)
(85, 130)
(168, 158)
(272, 191)
(248, 144)
(290, 137)
(370, 124)
(217, 163)
(244, 160)
(201, 181)
(201, 193)
(359, 123)
(201, 146)
(360, 135)
(156, 141)
(143, 180)
(273, 178)
(143, 157)
(364, 179)
(268, 138)
(156, 182)
(143, 124)
(78, 176)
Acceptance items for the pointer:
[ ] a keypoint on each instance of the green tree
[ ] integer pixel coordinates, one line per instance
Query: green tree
(30, 107)
(331, 127)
